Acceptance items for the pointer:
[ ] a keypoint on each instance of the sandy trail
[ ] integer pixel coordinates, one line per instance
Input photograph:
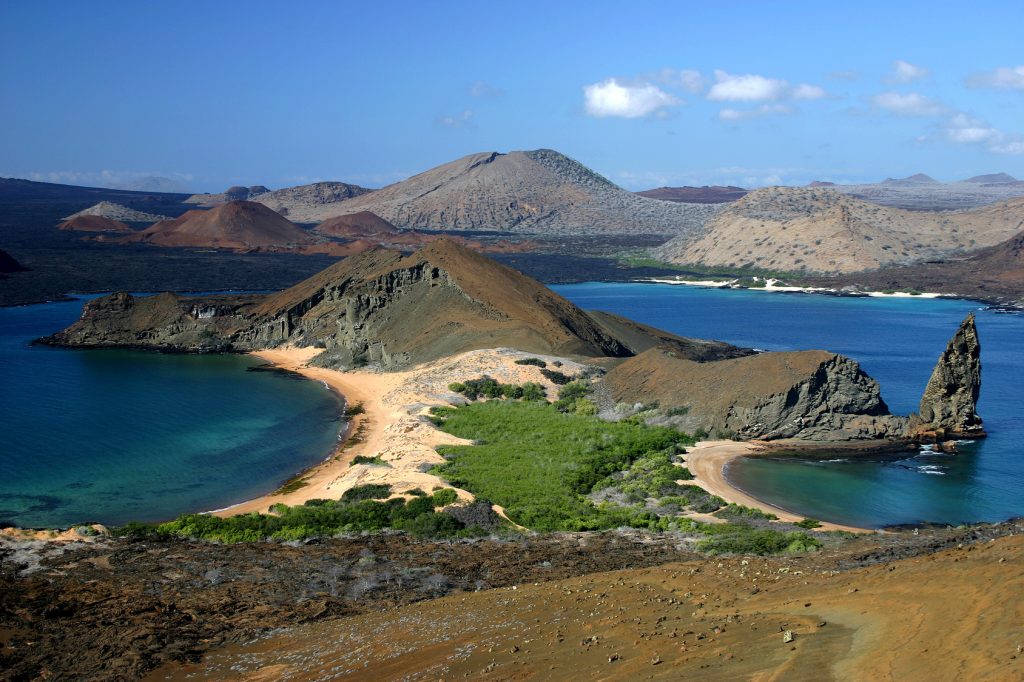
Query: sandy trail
(707, 461)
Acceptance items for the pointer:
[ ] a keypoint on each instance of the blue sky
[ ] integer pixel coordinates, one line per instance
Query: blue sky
(648, 94)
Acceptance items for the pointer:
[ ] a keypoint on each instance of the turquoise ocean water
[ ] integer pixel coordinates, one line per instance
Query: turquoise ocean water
(897, 341)
(113, 436)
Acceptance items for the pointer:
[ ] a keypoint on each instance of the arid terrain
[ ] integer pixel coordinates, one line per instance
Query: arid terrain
(823, 230)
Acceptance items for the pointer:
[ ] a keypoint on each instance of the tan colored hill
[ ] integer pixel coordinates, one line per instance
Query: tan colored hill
(992, 274)
(93, 223)
(823, 230)
(108, 209)
(312, 203)
(235, 225)
(539, 191)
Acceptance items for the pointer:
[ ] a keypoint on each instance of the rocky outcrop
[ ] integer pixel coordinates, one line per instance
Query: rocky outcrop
(807, 395)
(376, 308)
(949, 405)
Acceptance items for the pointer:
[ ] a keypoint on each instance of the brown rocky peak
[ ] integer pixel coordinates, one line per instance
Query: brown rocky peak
(948, 406)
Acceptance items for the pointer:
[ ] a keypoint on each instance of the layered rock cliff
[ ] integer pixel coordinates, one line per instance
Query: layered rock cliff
(949, 405)
(808, 395)
(375, 308)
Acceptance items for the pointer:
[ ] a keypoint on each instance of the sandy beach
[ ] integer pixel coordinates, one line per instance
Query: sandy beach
(394, 428)
(707, 462)
(393, 425)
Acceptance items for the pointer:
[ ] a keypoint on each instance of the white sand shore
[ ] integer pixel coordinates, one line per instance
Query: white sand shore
(707, 462)
(773, 286)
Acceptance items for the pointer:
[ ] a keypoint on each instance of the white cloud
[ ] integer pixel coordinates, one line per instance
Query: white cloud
(483, 90)
(1003, 78)
(691, 81)
(763, 110)
(463, 120)
(904, 72)
(808, 92)
(909, 104)
(746, 88)
(613, 98)
(963, 129)
(1015, 147)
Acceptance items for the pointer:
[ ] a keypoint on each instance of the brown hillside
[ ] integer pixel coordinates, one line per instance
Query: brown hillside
(356, 225)
(441, 300)
(235, 225)
(812, 395)
(946, 616)
(824, 230)
(93, 223)
(995, 273)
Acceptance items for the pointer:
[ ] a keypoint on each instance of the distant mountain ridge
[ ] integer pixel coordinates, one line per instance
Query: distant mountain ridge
(117, 212)
(824, 230)
(538, 192)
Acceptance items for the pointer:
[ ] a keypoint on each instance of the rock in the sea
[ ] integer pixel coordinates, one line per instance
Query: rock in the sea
(949, 404)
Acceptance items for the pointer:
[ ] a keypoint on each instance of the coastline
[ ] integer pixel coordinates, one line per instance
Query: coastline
(392, 427)
(708, 461)
(771, 286)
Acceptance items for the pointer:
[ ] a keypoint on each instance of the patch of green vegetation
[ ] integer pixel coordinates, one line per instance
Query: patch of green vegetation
(316, 518)
(540, 464)
(370, 491)
(535, 362)
(292, 484)
(738, 511)
(416, 492)
(714, 272)
(486, 387)
(651, 476)
(556, 377)
(444, 497)
(736, 538)
(808, 523)
(372, 461)
(355, 409)
(570, 395)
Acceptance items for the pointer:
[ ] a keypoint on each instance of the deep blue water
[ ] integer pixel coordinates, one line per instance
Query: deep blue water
(897, 341)
(113, 436)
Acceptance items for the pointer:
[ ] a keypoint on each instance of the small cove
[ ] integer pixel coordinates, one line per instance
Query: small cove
(117, 435)
(897, 341)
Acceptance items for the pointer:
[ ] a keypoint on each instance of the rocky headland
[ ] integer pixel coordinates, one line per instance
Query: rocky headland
(385, 310)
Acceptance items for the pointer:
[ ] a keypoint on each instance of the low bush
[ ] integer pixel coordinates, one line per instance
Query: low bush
(741, 539)
(556, 377)
(808, 523)
(370, 491)
(535, 362)
(444, 497)
(738, 511)
(373, 461)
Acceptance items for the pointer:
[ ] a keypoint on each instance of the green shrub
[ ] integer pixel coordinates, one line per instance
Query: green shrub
(738, 511)
(740, 539)
(370, 491)
(374, 461)
(533, 392)
(536, 362)
(356, 409)
(556, 377)
(808, 523)
(444, 497)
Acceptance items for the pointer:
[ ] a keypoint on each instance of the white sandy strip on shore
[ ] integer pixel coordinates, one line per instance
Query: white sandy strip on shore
(771, 287)
(394, 425)
(707, 461)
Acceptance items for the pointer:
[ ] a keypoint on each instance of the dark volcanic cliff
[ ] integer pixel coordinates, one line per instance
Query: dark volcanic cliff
(378, 307)
(949, 405)
(809, 395)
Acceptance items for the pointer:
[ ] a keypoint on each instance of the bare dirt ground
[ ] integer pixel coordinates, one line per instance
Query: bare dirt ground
(953, 615)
